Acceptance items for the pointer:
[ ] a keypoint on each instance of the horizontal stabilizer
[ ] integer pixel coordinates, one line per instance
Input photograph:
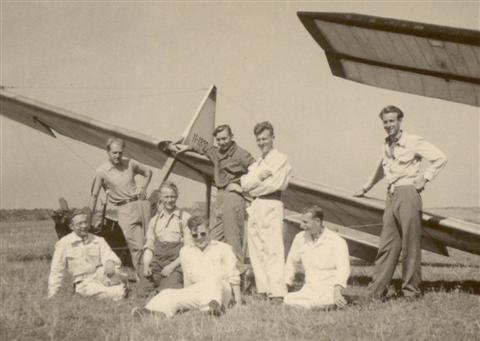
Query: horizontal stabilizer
(427, 60)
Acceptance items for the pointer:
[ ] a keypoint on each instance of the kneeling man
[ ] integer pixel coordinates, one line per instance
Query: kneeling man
(89, 260)
(323, 255)
(209, 275)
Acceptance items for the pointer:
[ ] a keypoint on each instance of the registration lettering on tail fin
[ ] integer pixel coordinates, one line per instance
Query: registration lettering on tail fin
(199, 132)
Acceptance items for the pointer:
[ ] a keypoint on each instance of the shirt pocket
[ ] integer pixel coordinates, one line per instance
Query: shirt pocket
(404, 155)
(93, 255)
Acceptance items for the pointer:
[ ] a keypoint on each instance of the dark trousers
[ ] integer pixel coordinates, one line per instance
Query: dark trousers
(229, 221)
(402, 231)
(164, 254)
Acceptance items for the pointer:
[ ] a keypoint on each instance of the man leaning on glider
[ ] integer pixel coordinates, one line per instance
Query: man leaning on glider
(402, 154)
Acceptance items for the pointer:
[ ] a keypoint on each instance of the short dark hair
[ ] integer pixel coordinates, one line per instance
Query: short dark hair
(222, 128)
(76, 212)
(113, 140)
(316, 211)
(389, 109)
(195, 221)
(261, 126)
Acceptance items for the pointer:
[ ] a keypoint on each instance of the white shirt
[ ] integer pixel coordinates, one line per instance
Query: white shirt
(80, 257)
(402, 166)
(325, 261)
(217, 260)
(276, 163)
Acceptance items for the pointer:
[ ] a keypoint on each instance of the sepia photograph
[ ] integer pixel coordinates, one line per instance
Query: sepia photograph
(239, 170)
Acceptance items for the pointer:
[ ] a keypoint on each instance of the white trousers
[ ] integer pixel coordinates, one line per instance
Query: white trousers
(310, 297)
(93, 286)
(195, 296)
(265, 246)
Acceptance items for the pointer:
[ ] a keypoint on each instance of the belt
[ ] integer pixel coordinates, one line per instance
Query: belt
(124, 202)
(277, 195)
(391, 188)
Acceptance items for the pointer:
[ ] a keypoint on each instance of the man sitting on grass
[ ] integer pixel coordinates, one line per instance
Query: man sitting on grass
(323, 255)
(89, 260)
(209, 275)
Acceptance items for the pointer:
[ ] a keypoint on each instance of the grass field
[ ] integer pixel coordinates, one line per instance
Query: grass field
(450, 309)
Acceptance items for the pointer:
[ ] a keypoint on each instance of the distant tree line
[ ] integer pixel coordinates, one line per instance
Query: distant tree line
(9, 215)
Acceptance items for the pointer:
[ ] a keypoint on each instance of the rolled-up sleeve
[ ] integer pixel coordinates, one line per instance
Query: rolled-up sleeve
(342, 262)
(57, 269)
(150, 235)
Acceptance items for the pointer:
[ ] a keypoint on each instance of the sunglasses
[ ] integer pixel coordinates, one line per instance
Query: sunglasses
(201, 234)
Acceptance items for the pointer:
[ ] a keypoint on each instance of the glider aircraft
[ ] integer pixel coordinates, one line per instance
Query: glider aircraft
(430, 60)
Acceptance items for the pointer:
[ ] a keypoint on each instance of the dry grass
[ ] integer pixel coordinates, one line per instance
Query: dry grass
(449, 310)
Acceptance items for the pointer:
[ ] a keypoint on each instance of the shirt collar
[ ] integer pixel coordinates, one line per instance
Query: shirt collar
(176, 212)
(323, 237)
(401, 141)
(271, 153)
(76, 239)
(229, 152)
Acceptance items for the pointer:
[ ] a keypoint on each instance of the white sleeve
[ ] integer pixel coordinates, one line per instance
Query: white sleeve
(57, 269)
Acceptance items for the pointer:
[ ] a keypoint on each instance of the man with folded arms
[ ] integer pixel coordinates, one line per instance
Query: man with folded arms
(323, 256)
(89, 260)
(265, 181)
(118, 177)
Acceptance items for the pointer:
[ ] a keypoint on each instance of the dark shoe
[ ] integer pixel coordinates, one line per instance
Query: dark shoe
(260, 296)
(276, 300)
(215, 308)
(139, 313)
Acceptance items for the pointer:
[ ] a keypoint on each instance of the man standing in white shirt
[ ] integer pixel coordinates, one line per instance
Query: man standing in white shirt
(400, 164)
(89, 260)
(323, 256)
(265, 181)
(210, 276)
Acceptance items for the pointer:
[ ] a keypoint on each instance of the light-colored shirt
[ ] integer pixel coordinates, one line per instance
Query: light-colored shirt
(80, 257)
(217, 260)
(166, 227)
(120, 181)
(401, 161)
(325, 261)
(276, 163)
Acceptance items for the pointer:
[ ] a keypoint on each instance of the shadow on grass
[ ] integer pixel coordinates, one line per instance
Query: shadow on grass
(452, 265)
(467, 286)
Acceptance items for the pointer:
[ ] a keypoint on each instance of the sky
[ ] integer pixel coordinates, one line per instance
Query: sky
(147, 65)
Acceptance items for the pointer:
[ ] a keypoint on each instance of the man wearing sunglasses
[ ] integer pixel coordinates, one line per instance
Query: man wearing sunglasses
(210, 276)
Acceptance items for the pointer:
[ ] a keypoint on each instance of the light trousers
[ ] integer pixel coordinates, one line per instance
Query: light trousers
(265, 246)
(93, 286)
(310, 297)
(195, 296)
